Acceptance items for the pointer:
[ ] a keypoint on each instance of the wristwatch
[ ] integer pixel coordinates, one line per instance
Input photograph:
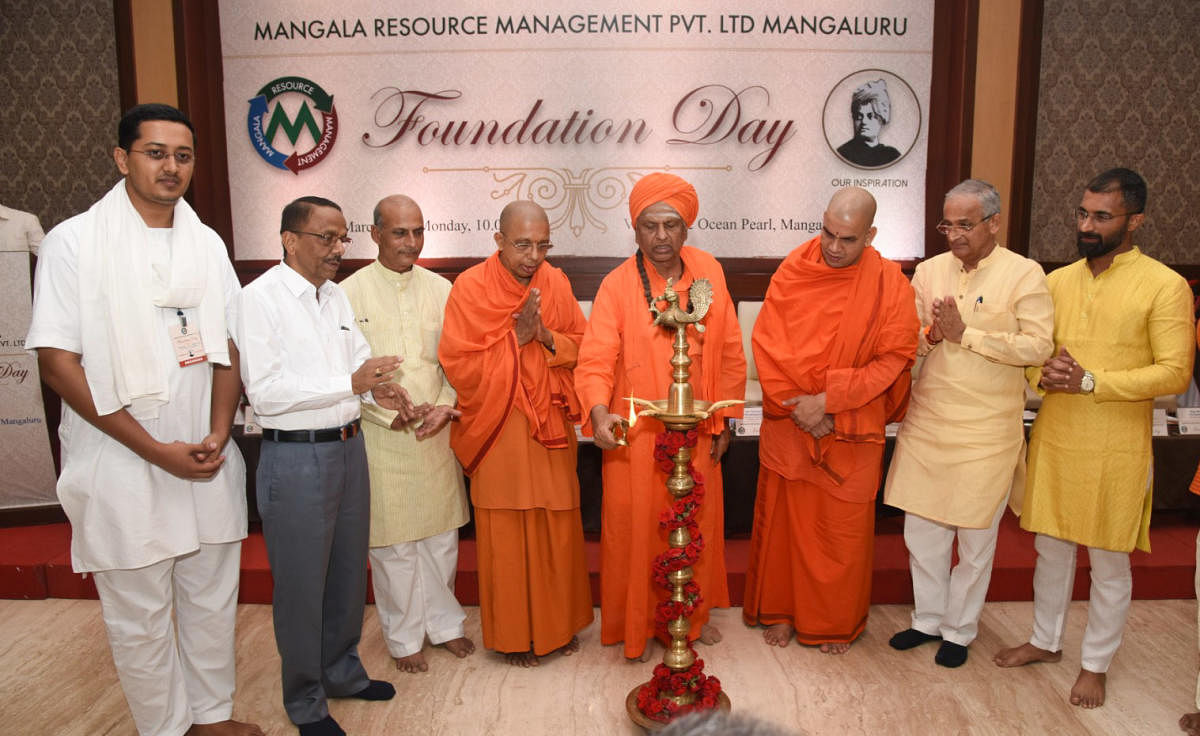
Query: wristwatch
(1087, 384)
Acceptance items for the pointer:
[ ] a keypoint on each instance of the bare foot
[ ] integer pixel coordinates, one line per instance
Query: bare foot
(522, 659)
(224, 728)
(778, 635)
(570, 647)
(835, 647)
(460, 647)
(1190, 724)
(710, 634)
(647, 653)
(413, 663)
(1024, 654)
(1088, 691)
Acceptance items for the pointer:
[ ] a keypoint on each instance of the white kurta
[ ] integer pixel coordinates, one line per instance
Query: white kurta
(417, 488)
(960, 448)
(126, 513)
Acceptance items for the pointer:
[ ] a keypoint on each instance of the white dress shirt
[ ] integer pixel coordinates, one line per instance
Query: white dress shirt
(298, 346)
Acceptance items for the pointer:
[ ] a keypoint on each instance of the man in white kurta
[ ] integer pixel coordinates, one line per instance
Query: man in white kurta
(152, 485)
(418, 498)
(1123, 329)
(986, 314)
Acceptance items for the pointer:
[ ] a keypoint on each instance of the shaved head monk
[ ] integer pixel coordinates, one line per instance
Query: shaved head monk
(625, 354)
(509, 342)
(834, 344)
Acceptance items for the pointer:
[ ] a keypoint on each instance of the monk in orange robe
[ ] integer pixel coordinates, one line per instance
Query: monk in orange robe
(625, 354)
(834, 344)
(509, 341)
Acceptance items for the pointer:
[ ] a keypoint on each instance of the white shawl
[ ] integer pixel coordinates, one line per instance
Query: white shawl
(123, 344)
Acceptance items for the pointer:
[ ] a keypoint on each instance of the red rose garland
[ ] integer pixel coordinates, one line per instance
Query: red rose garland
(653, 696)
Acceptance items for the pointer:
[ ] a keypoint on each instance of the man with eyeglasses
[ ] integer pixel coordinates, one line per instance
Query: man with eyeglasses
(986, 314)
(1124, 332)
(834, 345)
(133, 308)
(307, 368)
(625, 354)
(509, 343)
(418, 499)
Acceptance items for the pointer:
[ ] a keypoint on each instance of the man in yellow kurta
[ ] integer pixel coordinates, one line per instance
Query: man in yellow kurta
(986, 314)
(418, 499)
(1123, 329)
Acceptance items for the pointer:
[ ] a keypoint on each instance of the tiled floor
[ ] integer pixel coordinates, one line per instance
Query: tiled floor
(56, 677)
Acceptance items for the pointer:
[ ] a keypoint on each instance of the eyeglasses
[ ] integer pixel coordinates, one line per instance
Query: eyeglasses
(523, 246)
(948, 229)
(326, 238)
(1100, 218)
(183, 158)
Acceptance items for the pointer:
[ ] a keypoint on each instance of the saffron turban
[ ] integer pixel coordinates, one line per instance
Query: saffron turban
(668, 188)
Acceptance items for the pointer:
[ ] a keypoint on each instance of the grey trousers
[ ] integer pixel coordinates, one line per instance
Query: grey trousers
(315, 504)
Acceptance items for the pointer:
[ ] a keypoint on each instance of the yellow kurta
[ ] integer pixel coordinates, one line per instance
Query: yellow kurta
(1089, 454)
(417, 487)
(962, 445)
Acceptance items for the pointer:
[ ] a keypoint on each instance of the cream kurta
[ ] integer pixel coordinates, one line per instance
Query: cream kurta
(962, 443)
(417, 487)
(1089, 454)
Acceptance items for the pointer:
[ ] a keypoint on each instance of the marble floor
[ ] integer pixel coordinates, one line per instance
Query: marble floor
(56, 677)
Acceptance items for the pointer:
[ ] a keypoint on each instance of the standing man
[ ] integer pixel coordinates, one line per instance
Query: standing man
(1123, 328)
(834, 344)
(418, 500)
(986, 314)
(625, 354)
(132, 308)
(510, 341)
(306, 366)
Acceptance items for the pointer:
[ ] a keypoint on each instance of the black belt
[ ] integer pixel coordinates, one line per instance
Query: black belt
(336, 434)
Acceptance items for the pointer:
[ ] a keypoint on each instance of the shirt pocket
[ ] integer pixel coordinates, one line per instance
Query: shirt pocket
(991, 318)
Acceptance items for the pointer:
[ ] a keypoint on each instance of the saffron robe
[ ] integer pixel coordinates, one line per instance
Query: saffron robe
(851, 333)
(625, 354)
(516, 441)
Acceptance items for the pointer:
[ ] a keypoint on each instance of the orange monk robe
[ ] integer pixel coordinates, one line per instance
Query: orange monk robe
(625, 354)
(851, 333)
(516, 441)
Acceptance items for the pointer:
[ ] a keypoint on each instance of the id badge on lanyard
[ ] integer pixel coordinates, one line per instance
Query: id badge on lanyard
(189, 348)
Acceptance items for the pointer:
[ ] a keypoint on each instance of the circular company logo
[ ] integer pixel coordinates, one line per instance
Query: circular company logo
(872, 119)
(268, 118)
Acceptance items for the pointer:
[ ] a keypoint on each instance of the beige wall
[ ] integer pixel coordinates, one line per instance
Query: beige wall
(995, 97)
(154, 51)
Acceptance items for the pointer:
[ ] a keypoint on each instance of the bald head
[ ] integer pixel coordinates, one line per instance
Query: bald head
(521, 209)
(847, 227)
(399, 231)
(852, 203)
(524, 238)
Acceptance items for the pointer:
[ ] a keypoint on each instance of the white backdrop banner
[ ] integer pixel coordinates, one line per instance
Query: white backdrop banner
(467, 106)
(28, 478)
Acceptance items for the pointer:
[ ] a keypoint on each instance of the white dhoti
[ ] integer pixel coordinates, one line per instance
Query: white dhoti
(171, 629)
(414, 592)
(1108, 600)
(949, 601)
